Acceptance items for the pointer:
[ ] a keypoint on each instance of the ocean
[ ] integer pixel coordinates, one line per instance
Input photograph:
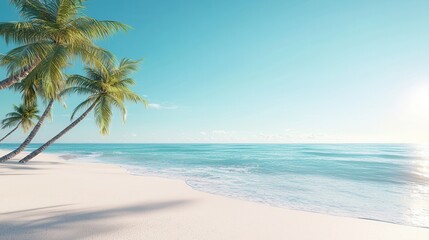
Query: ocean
(385, 182)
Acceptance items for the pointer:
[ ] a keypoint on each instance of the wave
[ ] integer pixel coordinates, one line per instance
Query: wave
(381, 182)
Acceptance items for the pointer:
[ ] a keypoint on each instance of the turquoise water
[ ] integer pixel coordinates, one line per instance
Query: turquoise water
(374, 181)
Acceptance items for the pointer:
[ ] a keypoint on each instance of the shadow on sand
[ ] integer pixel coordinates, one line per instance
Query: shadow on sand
(53, 222)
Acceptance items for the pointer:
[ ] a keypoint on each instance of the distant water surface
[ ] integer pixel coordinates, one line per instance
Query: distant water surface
(386, 182)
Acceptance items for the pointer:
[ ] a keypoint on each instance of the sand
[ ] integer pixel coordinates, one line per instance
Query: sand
(52, 198)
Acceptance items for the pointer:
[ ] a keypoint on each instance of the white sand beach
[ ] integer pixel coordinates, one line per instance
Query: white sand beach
(51, 198)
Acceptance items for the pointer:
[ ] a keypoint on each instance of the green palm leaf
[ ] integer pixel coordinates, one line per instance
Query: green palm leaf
(108, 87)
(23, 115)
(54, 33)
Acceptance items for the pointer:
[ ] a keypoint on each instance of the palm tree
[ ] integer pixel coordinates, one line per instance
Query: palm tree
(21, 116)
(105, 90)
(53, 33)
(30, 136)
(29, 90)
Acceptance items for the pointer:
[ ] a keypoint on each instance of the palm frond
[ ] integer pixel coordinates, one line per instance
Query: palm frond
(81, 85)
(50, 72)
(119, 104)
(77, 90)
(26, 55)
(67, 10)
(23, 115)
(57, 32)
(95, 29)
(10, 122)
(22, 32)
(29, 89)
(84, 104)
(108, 87)
(36, 9)
(126, 67)
(93, 56)
(103, 115)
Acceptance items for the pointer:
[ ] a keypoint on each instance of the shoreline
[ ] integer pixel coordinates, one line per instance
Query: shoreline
(238, 198)
(128, 169)
(162, 208)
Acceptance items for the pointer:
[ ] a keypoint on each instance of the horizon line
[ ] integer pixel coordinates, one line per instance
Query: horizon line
(259, 143)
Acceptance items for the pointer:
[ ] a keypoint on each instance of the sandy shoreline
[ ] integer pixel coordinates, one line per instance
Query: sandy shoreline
(51, 198)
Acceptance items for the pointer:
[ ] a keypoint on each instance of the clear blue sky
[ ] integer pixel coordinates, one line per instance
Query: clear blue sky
(264, 71)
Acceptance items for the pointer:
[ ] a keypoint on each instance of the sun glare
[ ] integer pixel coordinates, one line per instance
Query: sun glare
(416, 101)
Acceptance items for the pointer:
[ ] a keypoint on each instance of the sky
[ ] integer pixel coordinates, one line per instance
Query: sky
(262, 71)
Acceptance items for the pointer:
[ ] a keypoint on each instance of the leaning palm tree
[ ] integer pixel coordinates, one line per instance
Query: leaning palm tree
(53, 33)
(22, 116)
(30, 136)
(29, 91)
(105, 90)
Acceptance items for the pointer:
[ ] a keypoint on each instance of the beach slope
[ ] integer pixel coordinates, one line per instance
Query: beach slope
(51, 198)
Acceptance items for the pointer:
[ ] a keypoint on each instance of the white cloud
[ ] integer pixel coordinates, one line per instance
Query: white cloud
(281, 136)
(159, 106)
(219, 132)
(215, 136)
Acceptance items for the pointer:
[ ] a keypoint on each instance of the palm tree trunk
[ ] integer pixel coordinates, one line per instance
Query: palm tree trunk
(59, 135)
(17, 77)
(30, 136)
(13, 130)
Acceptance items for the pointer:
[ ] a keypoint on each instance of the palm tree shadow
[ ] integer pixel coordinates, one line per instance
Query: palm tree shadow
(35, 165)
(35, 209)
(72, 224)
(12, 165)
